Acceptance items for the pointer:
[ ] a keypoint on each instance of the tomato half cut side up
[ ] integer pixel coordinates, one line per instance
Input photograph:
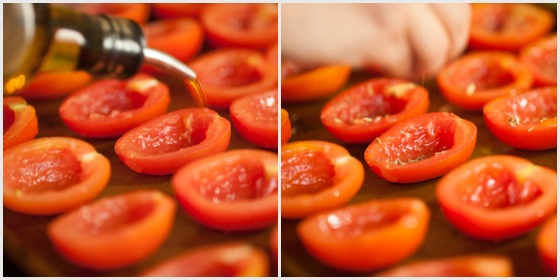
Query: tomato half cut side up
(286, 126)
(181, 38)
(241, 25)
(480, 197)
(53, 85)
(366, 236)
(363, 112)
(220, 260)
(459, 266)
(20, 122)
(109, 108)
(177, 10)
(53, 175)
(164, 144)
(231, 191)
(255, 117)
(540, 58)
(546, 245)
(139, 12)
(525, 121)
(317, 176)
(422, 148)
(507, 26)
(228, 74)
(478, 77)
(114, 232)
(314, 84)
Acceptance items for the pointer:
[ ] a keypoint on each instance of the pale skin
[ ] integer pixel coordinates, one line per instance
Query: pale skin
(399, 40)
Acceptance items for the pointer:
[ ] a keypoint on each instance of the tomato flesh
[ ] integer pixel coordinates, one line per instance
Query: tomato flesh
(540, 57)
(306, 172)
(255, 117)
(9, 117)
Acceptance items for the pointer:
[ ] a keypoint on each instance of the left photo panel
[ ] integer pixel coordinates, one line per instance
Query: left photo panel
(140, 139)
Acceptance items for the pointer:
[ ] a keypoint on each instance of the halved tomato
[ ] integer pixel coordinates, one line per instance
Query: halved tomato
(245, 25)
(181, 38)
(109, 108)
(546, 245)
(480, 197)
(177, 10)
(366, 236)
(361, 113)
(317, 176)
(478, 77)
(525, 121)
(272, 54)
(52, 85)
(459, 266)
(220, 260)
(52, 175)
(139, 12)
(507, 26)
(115, 231)
(540, 58)
(166, 143)
(20, 122)
(422, 148)
(255, 117)
(286, 126)
(232, 191)
(315, 83)
(228, 74)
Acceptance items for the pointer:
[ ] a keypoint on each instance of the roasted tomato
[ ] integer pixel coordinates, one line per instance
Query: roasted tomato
(366, 236)
(422, 148)
(480, 197)
(114, 232)
(20, 122)
(164, 144)
(286, 126)
(478, 77)
(53, 85)
(540, 58)
(255, 117)
(181, 38)
(460, 266)
(219, 260)
(109, 108)
(363, 112)
(546, 245)
(507, 26)
(139, 12)
(317, 176)
(178, 10)
(525, 121)
(53, 175)
(228, 74)
(232, 191)
(315, 83)
(245, 25)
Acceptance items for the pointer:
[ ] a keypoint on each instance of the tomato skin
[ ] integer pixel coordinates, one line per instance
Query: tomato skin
(178, 10)
(255, 117)
(181, 38)
(109, 108)
(195, 133)
(392, 101)
(251, 187)
(512, 119)
(540, 58)
(114, 232)
(285, 126)
(139, 12)
(547, 245)
(389, 155)
(220, 260)
(347, 179)
(345, 239)
(53, 85)
(315, 84)
(478, 77)
(34, 183)
(20, 122)
(530, 196)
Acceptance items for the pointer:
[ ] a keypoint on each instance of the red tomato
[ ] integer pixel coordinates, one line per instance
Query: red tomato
(228, 74)
(540, 58)
(139, 12)
(232, 191)
(178, 10)
(314, 84)
(460, 266)
(114, 232)
(272, 54)
(546, 245)
(52, 85)
(166, 143)
(20, 122)
(53, 175)
(181, 38)
(286, 126)
(508, 27)
(480, 197)
(478, 77)
(317, 176)
(109, 108)
(220, 260)
(525, 121)
(245, 25)
(274, 244)
(366, 236)
(422, 148)
(255, 117)
(363, 112)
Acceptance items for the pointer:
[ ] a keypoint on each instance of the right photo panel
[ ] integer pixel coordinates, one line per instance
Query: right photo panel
(418, 139)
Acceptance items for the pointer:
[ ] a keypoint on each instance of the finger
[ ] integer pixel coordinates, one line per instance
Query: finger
(455, 17)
